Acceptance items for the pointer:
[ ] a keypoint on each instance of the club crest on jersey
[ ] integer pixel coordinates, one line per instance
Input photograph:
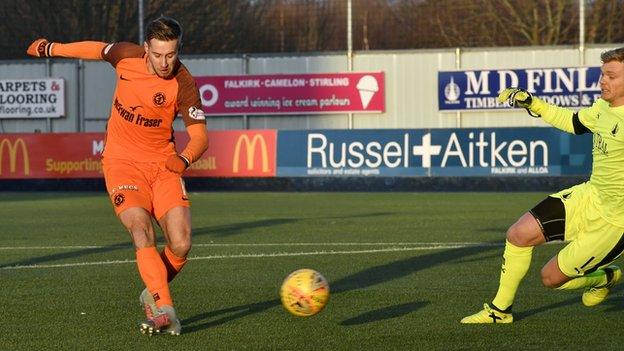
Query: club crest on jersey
(196, 113)
(159, 99)
(119, 199)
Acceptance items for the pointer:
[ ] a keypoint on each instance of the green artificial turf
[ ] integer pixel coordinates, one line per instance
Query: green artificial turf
(403, 269)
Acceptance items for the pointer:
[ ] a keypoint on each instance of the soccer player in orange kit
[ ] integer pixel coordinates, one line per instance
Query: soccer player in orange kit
(141, 166)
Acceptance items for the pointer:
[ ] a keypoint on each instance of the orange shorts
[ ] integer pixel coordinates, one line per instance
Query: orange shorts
(143, 184)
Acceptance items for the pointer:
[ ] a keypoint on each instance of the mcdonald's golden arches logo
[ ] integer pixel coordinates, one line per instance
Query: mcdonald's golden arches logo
(12, 148)
(250, 147)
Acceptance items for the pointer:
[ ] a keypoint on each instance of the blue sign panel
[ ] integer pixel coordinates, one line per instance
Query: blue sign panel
(477, 90)
(437, 152)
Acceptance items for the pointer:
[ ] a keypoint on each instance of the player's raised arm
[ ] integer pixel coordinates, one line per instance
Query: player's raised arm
(88, 50)
(559, 117)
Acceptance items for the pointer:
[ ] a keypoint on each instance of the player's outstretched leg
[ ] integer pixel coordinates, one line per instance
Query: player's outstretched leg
(166, 322)
(516, 262)
(593, 296)
(488, 315)
(147, 302)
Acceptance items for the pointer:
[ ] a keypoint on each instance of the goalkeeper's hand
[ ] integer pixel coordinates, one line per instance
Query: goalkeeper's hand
(177, 164)
(518, 97)
(40, 48)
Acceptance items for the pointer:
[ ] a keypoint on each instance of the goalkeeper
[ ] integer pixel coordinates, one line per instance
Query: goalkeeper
(141, 167)
(590, 216)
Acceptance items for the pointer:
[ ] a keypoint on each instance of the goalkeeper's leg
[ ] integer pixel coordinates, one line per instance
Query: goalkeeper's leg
(544, 222)
(588, 260)
(521, 237)
(596, 284)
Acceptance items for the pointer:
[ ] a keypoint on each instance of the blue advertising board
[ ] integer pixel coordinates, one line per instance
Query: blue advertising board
(477, 90)
(433, 152)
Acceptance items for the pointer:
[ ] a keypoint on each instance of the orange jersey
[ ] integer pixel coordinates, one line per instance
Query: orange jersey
(140, 127)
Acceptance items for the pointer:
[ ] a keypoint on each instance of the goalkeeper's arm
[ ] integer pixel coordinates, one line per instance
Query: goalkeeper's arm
(88, 50)
(559, 117)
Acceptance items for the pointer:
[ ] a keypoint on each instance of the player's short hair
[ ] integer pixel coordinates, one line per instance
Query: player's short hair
(164, 28)
(613, 55)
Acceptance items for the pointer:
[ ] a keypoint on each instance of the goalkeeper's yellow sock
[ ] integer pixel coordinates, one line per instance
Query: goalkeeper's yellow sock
(597, 278)
(516, 262)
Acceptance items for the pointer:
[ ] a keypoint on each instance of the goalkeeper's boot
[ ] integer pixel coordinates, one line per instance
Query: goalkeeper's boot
(166, 322)
(148, 303)
(595, 295)
(488, 315)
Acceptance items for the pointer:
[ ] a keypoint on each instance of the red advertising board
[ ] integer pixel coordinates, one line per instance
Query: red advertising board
(236, 153)
(241, 153)
(292, 93)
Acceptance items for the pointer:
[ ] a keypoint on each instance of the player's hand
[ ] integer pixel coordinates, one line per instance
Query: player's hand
(177, 164)
(40, 48)
(518, 97)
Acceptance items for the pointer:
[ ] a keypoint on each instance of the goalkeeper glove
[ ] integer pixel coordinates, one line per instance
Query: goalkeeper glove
(177, 164)
(517, 97)
(40, 48)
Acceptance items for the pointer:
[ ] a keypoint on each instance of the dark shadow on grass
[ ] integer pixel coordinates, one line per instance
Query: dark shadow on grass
(241, 228)
(527, 313)
(385, 313)
(227, 230)
(224, 230)
(493, 255)
(611, 304)
(394, 270)
(226, 315)
(361, 280)
(229, 314)
(66, 255)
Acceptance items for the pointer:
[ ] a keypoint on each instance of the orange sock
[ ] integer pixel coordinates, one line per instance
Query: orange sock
(173, 263)
(154, 275)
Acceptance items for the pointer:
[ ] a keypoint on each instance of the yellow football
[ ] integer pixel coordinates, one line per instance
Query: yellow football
(304, 292)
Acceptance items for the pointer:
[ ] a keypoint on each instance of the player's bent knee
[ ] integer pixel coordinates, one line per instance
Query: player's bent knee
(180, 248)
(525, 232)
(548, 282)
(517, 236)
(552, 281)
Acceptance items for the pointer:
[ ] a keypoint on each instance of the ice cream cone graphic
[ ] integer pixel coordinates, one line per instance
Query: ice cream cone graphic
(367, 86)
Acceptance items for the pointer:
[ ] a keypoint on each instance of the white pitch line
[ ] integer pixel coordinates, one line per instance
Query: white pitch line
(264, 255)
(81, 247)
(343, 244)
